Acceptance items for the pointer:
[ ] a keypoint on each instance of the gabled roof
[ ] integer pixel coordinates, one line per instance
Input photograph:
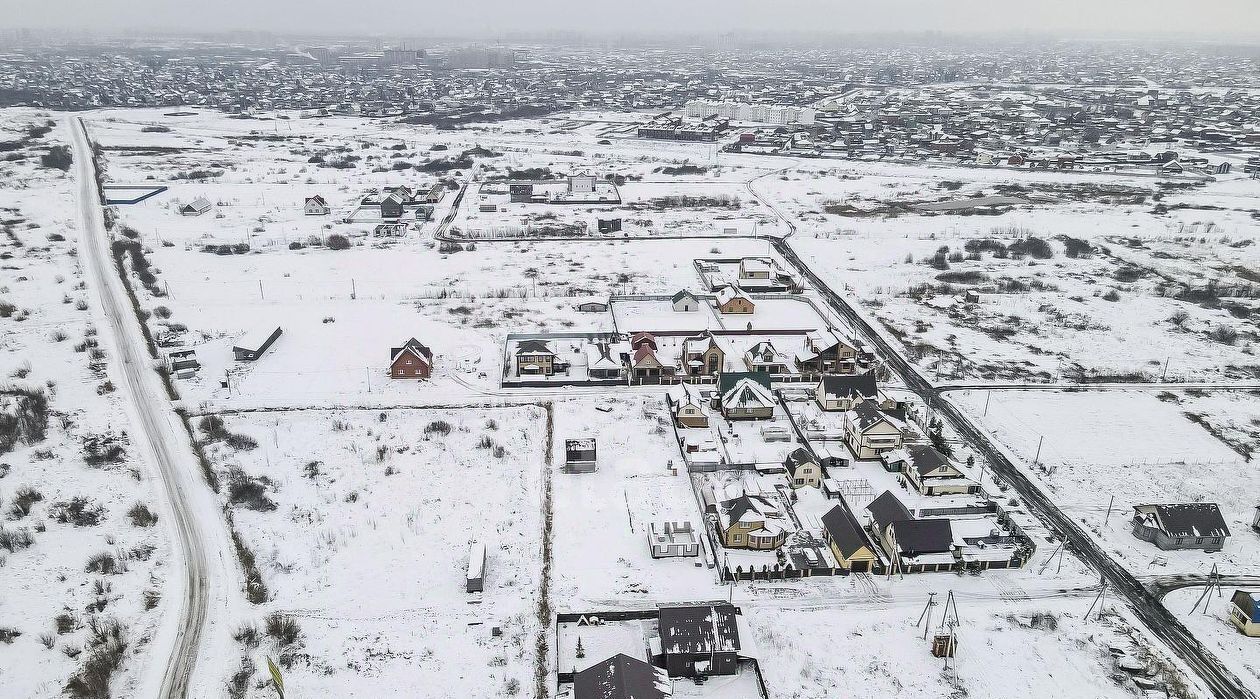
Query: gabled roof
(699, 629)
(1193, 519)
(844, 530)
(644, 351)
(920, 536)
(621, 677)
(755, 507)
(1249, 603)
(533, 347)
(866, 415)
(747, 394)
(728, 379)
(729, 293)
(412, 346)
(797, 458)
(317, 200)
(684, 294)
(849, 386)
(887, 509)
(923, 458)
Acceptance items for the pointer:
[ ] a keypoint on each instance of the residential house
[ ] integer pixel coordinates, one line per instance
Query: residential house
(435, 193)
(684, 302)
(901, 536)
(687, 407)
(748, 400)
(929, 471)
(604, 361)
(733, 301)
(253, 344)
(849, 543)
(764, 357)
(1244, 612)
(622, 677)
(844, 392)
(579, 455)
(702, 356)
(411, 361)
(645, 365)
(870, 431)
(754, 268)
(803, 469)
(823, 352)
(673, 540)
(196, 207)
(1194, 525)
(699, 640)
(316, 206)
(535, 358)
(751, 522)
(640, 339)
(394, 204)
(182, 359)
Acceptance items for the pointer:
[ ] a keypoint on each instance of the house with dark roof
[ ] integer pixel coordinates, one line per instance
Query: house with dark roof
(411, 361)
(751, 522)
(699, 640)
(748, 400)
(316, 206)
(911, 545)
(764, 357)
(1194, 525)
(823, 351)
(848, 541)
(928, 471)
(845, 391)
(622, 677)
(1244, 612)
(535, 358)
(870, 432)
(803, 469)
(196, 207)
(684, 302)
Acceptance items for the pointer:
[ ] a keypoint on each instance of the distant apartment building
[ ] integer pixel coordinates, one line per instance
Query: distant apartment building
(743, 111)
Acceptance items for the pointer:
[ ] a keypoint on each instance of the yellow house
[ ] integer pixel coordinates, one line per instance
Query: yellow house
(1244, 612)
(803, 469)
(853, 551)
(751, 522)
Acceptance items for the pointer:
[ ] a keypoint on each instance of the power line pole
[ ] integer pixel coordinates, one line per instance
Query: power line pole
(926, 614)
(1108, 517)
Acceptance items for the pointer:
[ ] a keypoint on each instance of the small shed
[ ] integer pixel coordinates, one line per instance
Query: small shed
(476, 578)
(196, 207)
(579, 455)
(252, 345)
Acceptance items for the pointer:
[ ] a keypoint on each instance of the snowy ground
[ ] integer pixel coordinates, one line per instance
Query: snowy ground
(1141, 449)
(48, 342)
(1240, 653)
(364, 539)
(1040, 317)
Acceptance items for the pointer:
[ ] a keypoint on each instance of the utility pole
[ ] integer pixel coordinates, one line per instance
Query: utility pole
(1164, 375)
(1108, 517)
(987, 396)
(926, 614)
(260, 291)
(1100, 600)
(1037, 458)
(1214, 582)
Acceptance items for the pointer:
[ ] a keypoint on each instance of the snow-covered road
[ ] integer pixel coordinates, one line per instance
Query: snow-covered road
(189, 650)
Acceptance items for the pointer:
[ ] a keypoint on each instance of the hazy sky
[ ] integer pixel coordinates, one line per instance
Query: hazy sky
(1207, 18)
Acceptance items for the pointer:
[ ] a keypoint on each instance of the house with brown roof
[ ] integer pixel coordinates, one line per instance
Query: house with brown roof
(411, 361)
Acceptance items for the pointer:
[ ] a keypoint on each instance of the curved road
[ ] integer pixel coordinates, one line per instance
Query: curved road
(197, 591)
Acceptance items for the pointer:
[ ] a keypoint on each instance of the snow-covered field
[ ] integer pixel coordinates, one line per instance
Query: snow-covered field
(359, 520)
(361, 523)
(1138, 447)
(79, 550)
(1139, 283)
